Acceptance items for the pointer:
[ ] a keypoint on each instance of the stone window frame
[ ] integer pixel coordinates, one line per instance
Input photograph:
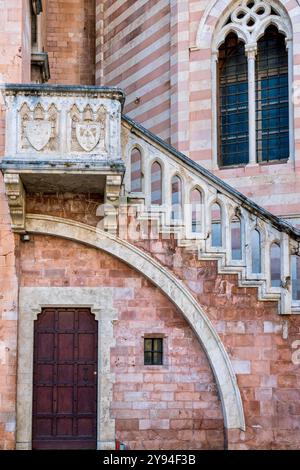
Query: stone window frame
(31, 302)
(166, 362)
(250, 38)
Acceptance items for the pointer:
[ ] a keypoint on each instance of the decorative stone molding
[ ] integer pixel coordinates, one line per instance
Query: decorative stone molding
(64, 123)
(221, 9)
(39, 128)
(250, 22)
(171, 287)
(31, 302)
(112, 197)
(16, 200)
(88, 129)
(63, 138)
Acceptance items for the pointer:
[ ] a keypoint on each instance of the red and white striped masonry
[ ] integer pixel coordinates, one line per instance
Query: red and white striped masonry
(136, 57)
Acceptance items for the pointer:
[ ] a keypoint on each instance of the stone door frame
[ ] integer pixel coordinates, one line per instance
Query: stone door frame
(31, 302)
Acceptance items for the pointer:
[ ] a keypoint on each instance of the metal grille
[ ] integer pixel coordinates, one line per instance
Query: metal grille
(233, 103)
(272, 107)
(153, 351)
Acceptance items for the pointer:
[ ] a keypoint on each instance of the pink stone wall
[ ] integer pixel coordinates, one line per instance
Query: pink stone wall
(70, 41)
(260, 344)
(174, 406)
(14, 67)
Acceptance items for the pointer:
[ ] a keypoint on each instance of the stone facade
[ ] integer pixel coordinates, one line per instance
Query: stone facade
(73, 232)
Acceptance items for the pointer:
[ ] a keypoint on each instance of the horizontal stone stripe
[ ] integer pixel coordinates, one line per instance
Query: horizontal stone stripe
(161, 99)
(122, 39)
(129, 68)
(140, 73)
(112, 50)
(141, 15)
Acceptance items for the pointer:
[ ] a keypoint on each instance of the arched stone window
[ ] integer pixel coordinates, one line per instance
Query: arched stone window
(236, 239)
(136, 171)
(256, 251)
(275, 265)
(295, 261)
(176, 190)
(253, 84)
(156, 183)
(216, 225)
(196, 207)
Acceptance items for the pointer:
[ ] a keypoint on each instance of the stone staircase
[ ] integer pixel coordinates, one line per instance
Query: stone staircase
(234, 207)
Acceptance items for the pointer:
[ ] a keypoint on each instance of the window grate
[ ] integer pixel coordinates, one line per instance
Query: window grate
(233, 103)
(272, 106)
(153, 351)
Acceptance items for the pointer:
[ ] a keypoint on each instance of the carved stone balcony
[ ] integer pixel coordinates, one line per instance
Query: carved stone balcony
(61, 138)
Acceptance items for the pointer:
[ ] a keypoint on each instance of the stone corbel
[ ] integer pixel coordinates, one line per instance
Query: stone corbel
(112, 199)
(16, 201)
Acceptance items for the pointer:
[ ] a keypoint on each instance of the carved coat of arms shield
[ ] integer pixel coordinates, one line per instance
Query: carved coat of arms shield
(88, 135)
(38, 133)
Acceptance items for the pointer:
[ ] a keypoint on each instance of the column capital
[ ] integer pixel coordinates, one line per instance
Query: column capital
(215, 55)
(288, 43)
(251, 50)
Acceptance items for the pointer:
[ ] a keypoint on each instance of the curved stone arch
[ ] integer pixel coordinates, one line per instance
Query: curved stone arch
(173, 288)
(282, 26)
(217, 8)
(221, 36)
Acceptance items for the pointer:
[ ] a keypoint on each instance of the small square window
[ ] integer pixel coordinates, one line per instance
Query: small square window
(153, 351)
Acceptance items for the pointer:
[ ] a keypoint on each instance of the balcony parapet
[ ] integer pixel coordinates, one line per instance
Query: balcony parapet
(56, 123)
(60, 138)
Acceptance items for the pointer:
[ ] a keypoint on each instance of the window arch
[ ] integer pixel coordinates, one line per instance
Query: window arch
(275, 265)
(176, 194)
(196, 208)
(156, 183)
(256, 35)
(136, 170)
(216, 225)
(236, 238)
(256, 251)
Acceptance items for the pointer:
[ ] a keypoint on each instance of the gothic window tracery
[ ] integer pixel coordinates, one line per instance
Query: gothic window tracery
(253, 76)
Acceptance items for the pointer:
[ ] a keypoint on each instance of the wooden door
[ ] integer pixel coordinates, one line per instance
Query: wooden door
(65, 379)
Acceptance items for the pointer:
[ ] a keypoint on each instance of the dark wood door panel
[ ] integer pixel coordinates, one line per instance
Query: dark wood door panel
(65, 379)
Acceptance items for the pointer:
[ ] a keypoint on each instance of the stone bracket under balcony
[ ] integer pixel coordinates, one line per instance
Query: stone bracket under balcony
(61, 139)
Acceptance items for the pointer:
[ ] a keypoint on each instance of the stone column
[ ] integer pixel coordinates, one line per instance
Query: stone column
(251, 50)
(289, 46)
(214, 107)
